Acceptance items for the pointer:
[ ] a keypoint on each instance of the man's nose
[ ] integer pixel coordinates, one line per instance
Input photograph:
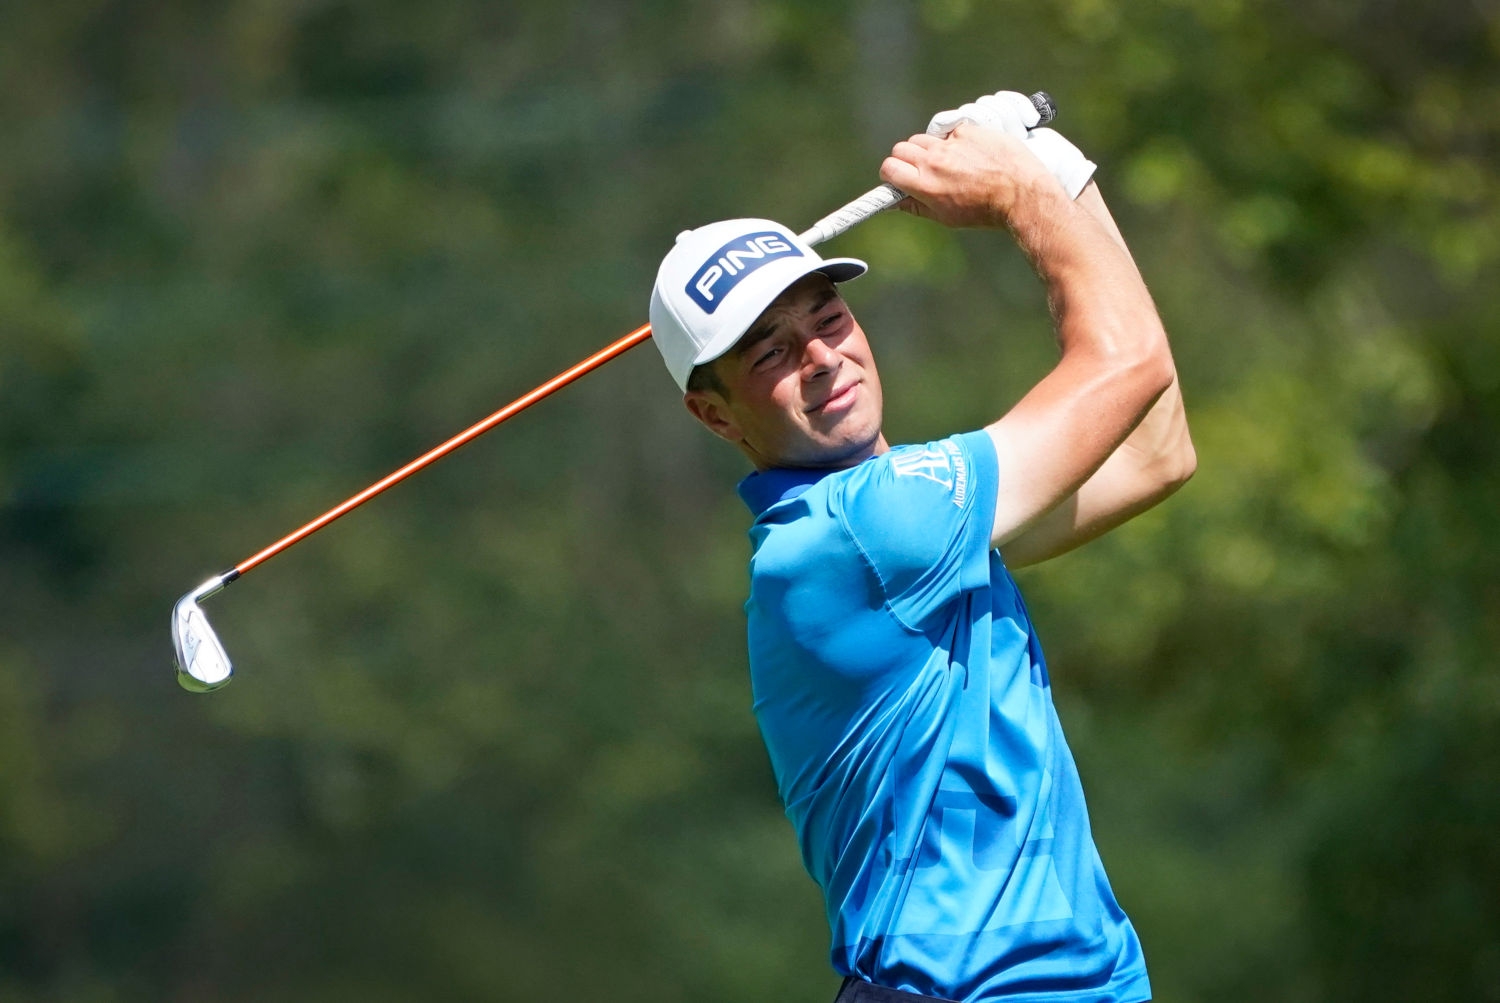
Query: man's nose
(818, 358)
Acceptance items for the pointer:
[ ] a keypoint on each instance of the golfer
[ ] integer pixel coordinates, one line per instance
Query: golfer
(898, 681)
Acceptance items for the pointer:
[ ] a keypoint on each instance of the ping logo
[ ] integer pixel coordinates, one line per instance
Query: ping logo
(724, 269)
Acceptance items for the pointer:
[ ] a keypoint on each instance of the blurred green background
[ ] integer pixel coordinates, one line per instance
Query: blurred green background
(491, 736)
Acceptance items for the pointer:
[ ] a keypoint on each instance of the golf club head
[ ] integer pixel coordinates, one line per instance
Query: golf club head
(202, 665)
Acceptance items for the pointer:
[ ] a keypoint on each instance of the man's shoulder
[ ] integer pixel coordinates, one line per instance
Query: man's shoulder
(944, 463)
(910, 480)
(909, 490)
(913, 523)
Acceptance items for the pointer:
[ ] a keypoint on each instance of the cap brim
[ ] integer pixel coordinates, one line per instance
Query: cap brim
(837, 269)
(842, 269)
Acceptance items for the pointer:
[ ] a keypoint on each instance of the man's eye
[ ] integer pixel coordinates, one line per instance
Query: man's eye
(830, 320)
(769, 355)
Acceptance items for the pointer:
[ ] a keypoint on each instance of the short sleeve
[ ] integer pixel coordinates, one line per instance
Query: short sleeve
(922, 516)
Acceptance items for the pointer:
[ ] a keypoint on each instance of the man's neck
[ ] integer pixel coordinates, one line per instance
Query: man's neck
(840, 462)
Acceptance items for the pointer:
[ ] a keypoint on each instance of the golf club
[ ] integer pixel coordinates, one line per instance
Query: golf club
(203, 665)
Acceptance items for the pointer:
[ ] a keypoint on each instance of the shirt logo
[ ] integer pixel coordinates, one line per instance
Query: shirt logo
(943, 466)
(724, 269)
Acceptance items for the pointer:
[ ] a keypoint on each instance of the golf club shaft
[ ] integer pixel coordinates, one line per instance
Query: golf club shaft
(862, 208)
(516, 406)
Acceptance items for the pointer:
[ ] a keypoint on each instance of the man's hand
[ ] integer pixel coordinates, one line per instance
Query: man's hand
(1010, 112)
(1014, 114)
(975, 176)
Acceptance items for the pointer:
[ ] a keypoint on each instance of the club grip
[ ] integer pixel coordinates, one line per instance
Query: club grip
(875, 200)
(881, 198)
(1044, 107)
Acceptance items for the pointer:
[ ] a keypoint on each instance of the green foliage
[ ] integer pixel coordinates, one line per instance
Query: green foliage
(492, 737)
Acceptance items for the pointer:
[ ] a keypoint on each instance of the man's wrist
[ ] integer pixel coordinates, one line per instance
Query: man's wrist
(1031, 204)
(1071, 251)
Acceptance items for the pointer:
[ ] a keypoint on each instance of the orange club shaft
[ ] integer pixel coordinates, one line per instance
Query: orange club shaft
(436, 453)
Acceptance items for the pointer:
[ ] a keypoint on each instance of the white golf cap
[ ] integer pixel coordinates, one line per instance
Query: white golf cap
(718, 278)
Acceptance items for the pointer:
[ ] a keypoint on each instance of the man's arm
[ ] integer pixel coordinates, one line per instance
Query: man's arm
(1155, 460)
(1115, 362)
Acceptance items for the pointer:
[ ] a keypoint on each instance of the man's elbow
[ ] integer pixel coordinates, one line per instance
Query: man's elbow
(1183, 465)
(1144, 377)
(1174, 467)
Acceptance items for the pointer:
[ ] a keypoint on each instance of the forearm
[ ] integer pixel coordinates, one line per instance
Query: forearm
(1160, 444)
(1099, 301)
(1091, 200)
(1115, 363)
(1156, 458)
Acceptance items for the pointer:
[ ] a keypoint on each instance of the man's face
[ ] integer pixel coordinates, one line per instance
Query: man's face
(800, 388)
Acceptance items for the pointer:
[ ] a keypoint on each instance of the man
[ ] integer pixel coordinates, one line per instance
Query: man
(898, 682)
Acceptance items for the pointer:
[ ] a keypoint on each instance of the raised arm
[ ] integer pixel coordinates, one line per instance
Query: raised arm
(1155, 460)
(1115, 362)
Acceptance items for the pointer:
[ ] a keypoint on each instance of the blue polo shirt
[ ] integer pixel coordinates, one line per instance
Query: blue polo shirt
(905, 703)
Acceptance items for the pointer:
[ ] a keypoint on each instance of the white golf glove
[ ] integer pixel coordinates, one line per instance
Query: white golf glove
(1013, 113)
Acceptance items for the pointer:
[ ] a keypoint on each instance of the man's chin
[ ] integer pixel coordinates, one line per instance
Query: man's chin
(843, 451)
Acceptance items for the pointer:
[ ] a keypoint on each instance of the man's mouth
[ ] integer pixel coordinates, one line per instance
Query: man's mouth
(840, 400)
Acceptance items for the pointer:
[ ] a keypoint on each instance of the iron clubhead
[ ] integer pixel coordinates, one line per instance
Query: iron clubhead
(202, 665)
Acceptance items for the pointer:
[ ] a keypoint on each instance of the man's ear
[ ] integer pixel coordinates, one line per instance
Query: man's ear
(710, 409)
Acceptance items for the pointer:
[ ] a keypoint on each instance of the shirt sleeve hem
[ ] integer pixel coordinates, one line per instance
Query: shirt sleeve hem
(984, 482)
